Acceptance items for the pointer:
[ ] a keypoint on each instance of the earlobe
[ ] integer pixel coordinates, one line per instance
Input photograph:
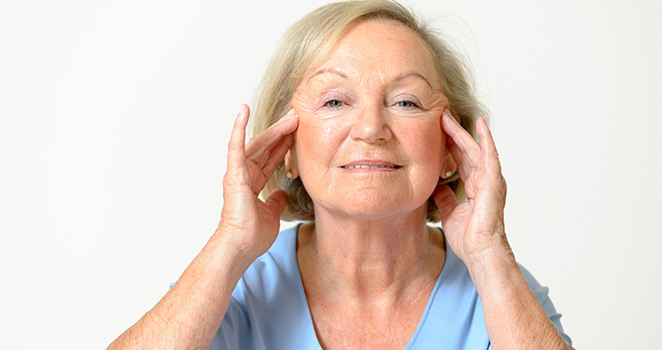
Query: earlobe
(449, 167)
(290, 168)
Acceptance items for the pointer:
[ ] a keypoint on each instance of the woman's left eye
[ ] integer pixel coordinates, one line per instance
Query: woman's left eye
(333, 103)
(407, 104)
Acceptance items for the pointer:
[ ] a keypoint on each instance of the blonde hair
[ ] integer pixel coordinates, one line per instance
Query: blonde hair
(305, 46)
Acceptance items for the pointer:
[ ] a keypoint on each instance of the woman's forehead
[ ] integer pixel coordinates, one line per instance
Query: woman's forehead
(382, 49)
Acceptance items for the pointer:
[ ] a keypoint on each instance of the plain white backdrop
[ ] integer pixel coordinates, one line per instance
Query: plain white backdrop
(114, 119)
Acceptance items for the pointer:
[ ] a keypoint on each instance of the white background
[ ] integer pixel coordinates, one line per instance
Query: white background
(114, 118)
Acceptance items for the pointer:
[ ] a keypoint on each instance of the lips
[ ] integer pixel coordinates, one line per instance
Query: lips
(361, 166)
(371, 164)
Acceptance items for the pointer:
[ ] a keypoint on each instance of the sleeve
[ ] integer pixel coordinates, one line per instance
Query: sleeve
(542, 294)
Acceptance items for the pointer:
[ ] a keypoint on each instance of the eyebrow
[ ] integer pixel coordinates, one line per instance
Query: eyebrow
(400, 77)
(327, 70)
(412, 73)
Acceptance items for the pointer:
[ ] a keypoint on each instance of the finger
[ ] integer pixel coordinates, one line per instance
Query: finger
(445, 198)
(277, 155)
(272, 131)
(282, 127)
(261, 151)
(465, 165)
(488, 148)
(460, 136)
(236, 150)
(464, 149)
(270, 163)
(276, 202)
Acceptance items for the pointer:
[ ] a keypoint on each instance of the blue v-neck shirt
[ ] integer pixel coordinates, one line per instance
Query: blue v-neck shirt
(268, 309)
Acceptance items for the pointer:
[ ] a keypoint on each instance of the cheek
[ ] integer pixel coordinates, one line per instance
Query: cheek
(426, 145)
(316, 142)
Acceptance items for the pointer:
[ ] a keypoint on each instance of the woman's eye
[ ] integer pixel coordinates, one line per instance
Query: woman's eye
(407, 104)
(333, 103)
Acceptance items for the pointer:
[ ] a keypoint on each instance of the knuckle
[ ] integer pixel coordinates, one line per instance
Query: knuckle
(232, 177)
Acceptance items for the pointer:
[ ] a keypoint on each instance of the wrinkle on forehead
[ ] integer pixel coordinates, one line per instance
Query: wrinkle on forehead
(343, 65)
(332, 76)
(327, 71)
(350, 60)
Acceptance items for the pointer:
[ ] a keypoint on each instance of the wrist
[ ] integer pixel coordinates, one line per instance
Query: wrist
(495, 264)
(231, 253)
(487, 247)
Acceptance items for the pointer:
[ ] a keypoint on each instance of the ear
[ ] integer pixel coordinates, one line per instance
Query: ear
(448, 167)
(291, 170)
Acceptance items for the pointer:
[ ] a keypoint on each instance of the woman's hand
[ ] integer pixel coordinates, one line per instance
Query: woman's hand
(189, 315)
(246, 220)
(475, 231)
(475, 227)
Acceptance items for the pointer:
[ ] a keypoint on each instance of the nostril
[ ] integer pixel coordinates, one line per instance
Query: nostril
(375, 131)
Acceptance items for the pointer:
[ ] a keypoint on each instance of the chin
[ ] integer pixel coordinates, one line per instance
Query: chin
(374, 204)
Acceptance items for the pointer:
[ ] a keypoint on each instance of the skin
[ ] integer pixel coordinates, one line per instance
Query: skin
(369, 262)
(352, 110)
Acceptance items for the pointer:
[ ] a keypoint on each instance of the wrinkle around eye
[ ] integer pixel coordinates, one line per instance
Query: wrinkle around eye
(329, 97)
(421, 102)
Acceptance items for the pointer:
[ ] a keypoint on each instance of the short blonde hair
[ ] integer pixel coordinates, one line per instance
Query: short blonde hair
(305, 46)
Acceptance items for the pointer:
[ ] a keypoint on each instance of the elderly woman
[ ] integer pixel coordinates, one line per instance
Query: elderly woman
(365, 132)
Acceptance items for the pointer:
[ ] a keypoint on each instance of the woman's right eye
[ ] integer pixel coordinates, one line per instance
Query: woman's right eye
(333, 103)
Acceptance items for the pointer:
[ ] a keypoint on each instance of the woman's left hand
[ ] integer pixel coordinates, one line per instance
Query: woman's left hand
(475, 227)
(475, 232)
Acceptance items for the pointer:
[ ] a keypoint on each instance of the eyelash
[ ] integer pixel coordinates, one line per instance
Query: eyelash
(413, 104)
(329, 102)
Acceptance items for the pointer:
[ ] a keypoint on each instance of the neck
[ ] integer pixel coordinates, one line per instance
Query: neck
(371, 259)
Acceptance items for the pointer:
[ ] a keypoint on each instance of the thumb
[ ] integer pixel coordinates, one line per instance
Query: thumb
(445, 198)
(277, 201)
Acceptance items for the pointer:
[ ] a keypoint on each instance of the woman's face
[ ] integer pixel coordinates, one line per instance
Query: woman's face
(369, 142)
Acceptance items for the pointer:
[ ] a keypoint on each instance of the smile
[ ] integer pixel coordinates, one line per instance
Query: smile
(371, 167)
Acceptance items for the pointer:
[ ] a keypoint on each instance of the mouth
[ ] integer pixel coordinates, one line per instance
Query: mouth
(370, 164)
(362, 166)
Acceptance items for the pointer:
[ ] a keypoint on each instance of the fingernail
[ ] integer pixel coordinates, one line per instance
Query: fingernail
(241, 109)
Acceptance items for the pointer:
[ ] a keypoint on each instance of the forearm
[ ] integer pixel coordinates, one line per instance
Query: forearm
(189, 315)
(513, 316)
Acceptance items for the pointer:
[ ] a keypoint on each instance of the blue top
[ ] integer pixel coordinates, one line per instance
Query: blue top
(268, 308)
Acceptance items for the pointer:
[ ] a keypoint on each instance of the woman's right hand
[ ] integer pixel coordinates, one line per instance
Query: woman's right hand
(190, 313)
(246, 221)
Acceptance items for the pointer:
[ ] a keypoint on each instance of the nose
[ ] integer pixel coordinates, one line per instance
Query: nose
(370, 125)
